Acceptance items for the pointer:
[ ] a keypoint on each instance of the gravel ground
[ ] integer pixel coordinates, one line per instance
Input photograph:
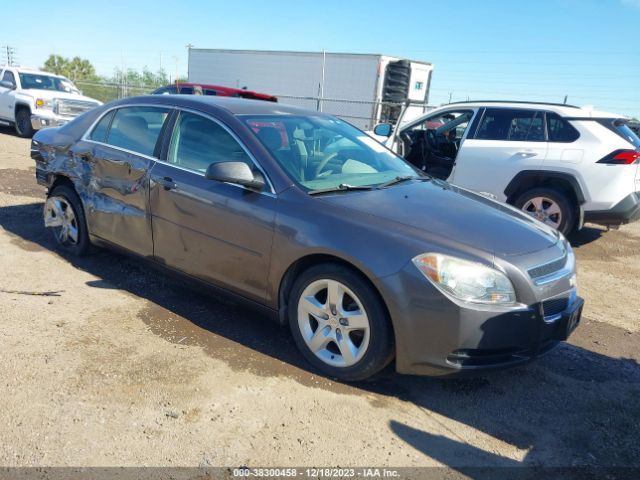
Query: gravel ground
(123, 366)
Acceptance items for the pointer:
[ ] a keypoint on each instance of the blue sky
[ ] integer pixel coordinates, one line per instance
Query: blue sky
(481, 49)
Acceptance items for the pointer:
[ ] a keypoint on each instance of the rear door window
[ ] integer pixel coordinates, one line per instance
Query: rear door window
(186, 90)
(99, 133)
(560, 130)
(515, 125)
(137, 128)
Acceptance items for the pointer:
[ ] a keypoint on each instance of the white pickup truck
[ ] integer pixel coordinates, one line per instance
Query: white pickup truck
(31, 100)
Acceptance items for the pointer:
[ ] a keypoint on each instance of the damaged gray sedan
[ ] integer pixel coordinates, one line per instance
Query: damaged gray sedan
(299, 213)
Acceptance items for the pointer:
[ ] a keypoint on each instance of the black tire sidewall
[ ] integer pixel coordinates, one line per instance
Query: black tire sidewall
(83, 245)
(566, 206)
(28, 131)
(381, 346)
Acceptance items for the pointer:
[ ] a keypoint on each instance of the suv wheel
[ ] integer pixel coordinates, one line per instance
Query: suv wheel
(550, 207)
(63, 213)
(23, 123)
(339, 323)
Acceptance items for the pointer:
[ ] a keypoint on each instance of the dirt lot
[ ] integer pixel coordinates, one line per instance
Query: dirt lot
(127, 367)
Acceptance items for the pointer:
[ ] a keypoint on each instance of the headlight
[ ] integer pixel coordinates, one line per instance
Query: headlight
(45, 104)
(465, 280)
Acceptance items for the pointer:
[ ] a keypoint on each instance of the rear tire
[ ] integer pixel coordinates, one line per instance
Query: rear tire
(339, 323)
(23, 123)
(63, 206)
(550, 206)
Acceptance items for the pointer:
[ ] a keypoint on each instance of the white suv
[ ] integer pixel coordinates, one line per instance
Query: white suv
(564, 165)
(31, 100)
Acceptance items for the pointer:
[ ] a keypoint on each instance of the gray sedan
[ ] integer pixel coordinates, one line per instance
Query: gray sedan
(307, 218)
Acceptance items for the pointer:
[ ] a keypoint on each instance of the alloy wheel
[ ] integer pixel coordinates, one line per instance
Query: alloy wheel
(545, 210)
(333, 323)
(59, 215)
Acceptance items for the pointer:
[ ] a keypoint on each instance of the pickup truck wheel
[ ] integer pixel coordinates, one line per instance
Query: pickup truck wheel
(339, 323)
(23, 123)
(550, 207)
(64, 215)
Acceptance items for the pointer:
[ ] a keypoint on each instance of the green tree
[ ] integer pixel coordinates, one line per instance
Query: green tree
(76, 68)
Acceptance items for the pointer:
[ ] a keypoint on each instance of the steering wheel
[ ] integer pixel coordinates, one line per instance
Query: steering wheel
(430, 136)
(323, 163)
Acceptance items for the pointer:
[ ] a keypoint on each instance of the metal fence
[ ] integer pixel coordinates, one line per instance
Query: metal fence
(361, 113)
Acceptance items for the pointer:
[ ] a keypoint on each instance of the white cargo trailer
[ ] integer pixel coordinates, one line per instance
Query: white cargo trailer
(364, 89)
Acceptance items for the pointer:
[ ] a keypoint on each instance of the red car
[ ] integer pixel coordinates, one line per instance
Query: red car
(191, 88)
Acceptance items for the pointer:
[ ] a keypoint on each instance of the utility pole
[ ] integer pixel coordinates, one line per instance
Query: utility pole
(10, 55)
(175, 80)
(566, 97)
(188, 46)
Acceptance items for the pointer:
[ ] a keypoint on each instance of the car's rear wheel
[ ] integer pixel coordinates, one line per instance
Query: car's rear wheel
(23, 123)
(64, 215)
(549, 206)
(339, 323)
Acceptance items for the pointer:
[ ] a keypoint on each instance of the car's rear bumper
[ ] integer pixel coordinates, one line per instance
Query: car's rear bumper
(437, 337)
(625, 211)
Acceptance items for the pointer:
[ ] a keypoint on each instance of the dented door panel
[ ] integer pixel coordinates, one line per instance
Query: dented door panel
(113, 186)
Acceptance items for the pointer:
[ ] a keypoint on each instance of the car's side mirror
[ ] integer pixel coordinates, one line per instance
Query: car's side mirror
(383, 129)
(235, 172)
(7, 84)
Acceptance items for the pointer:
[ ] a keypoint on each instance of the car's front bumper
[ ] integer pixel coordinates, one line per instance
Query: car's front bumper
(625, 211)
(438, 337)
(47, 119)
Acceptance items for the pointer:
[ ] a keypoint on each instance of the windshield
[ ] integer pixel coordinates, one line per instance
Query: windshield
(325, 152)
(38, 81)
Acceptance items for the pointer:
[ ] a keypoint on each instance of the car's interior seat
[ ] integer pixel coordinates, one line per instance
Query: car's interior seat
(271, 138)
(132, 133)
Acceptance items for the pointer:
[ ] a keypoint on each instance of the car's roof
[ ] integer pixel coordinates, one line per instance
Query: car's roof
(232, 105)
(562, 109)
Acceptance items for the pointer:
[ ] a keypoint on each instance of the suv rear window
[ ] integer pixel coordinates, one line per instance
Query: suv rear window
(516, 125)
(560, 130)
(620, 127)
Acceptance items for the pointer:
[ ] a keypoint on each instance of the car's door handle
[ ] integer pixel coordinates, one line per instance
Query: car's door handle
(527, 154)
(166, 182)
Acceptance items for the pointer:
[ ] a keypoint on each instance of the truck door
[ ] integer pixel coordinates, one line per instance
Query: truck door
(507, 141)
(6, 96)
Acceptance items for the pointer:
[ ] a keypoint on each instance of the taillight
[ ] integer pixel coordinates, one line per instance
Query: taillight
(622, 157)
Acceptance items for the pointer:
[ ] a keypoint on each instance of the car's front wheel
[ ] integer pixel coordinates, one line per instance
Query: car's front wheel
(550, 206)
(23, 123)
(64, 215)
(339, 323)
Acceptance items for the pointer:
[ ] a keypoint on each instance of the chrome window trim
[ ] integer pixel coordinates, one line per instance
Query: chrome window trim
(236, 138)
(87, 133)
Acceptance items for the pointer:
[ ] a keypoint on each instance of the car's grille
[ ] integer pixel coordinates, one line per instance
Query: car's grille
(554, 307)
(548, 268)
(73, 108)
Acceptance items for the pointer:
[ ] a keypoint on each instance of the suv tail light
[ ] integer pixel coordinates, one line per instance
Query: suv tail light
(622, 157)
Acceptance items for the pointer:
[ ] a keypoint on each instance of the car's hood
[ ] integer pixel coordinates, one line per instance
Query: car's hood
(452, 213)
(51, 94)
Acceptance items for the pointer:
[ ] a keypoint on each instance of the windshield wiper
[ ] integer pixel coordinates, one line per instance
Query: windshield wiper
(343, 187)
(403, 178)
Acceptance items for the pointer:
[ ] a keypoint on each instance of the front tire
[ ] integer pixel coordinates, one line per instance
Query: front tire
(64, 215)
(23, 123)
(339, 323)
(550, 206)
